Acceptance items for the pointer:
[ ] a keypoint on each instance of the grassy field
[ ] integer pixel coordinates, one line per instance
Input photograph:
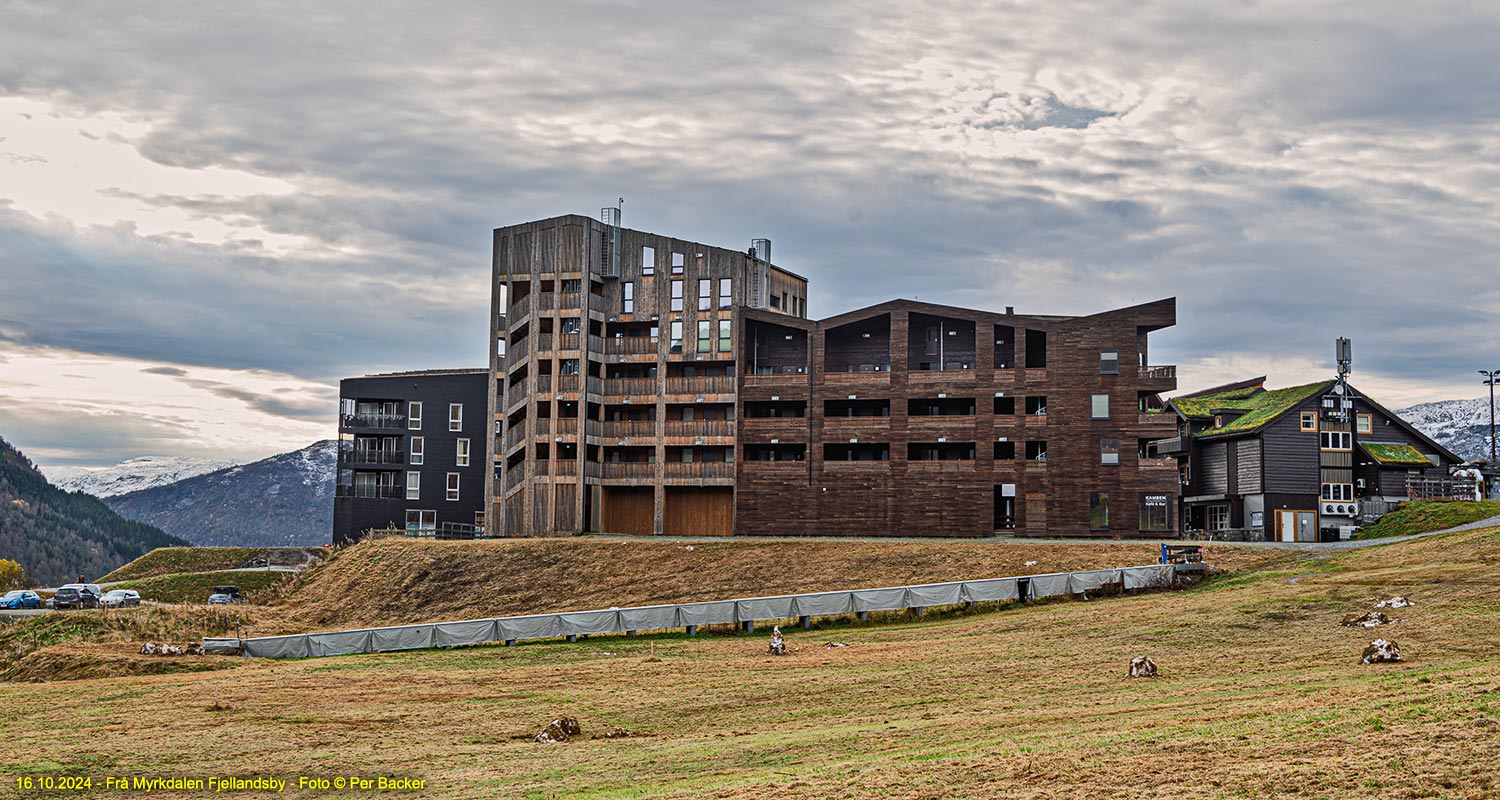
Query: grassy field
(173, 560)
(1421, 517)
(195, 587)
(1261, 694)
(395, 581)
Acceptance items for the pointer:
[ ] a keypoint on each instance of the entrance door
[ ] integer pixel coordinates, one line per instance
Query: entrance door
(1296, 526)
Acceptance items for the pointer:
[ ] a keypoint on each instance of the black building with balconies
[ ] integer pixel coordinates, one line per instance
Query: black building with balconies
(412, 454)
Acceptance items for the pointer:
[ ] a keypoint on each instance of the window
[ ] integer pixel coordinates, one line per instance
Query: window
(648, 261)
(417, 445)
(676, 295)
(705, 330)
(1036, 405)
(1363, 423)
(463, 453)
(726, 292)
(677, 263)
(1005, 405)
(1098, 511)
(1005, 451)
(775, 302)
(1218, 420)
(413, 486)
(1036, 451)
(675, 345)
(568, 366)
(1338, 492)
(421, 521)
(1099, 405)
(1109, 362)
(724, 336)
(1109, 451)
(705, 294)
(455, 416)
(627, 298)
(453, 486)
(1309, 421)
(1218, 518)
(1156, 512)
(414, 416)
(572, 286)
(1336, 440)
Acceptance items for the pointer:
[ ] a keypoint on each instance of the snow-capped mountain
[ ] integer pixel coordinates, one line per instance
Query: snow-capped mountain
(133, 475)
(1462, 426)
(282, 500)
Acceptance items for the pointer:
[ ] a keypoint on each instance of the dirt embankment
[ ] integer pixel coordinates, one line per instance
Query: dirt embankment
(396, 581)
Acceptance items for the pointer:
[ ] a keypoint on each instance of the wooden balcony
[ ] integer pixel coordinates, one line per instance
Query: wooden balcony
(1157, 378)
(699, 385)
(630, 428)
(569, 341)
(698, 469)
(761, 430)
(518, 350)
(629, 469)
(854, 382)
(865, 429)
(955, 428)
(630, 387)
(519, 309)
(632, 345)
(700, 427)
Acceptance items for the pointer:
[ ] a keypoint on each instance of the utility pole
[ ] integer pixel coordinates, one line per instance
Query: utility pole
(1490, 377)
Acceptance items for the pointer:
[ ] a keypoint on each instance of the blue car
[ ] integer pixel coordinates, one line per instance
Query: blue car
(21, 598)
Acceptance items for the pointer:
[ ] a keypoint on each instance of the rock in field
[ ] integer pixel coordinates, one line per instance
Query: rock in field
(1369, 619)
(1142, 667)
(559, 730)
(1395, 602)
(1381, 651)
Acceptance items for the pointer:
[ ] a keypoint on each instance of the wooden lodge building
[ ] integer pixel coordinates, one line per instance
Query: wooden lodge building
(645, 384)
(1293, 464)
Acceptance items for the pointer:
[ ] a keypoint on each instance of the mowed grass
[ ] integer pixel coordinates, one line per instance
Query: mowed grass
(1421, 517)
(1261, 694)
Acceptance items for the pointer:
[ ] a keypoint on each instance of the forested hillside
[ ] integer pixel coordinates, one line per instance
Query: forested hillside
(58, 535)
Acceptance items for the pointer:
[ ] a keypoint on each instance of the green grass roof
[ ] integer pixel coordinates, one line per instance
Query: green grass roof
(1395, 454)
(1260, 407)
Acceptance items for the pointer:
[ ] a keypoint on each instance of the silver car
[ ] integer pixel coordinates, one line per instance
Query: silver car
(120, 598)
(218, 599)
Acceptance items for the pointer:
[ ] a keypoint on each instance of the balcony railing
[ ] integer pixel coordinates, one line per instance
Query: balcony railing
(701, 384)
(362, 491)
(359, 456)
(1156, 419)
(513, 476)
(630, 386)
(1158, 372)
(632, 345)
(699, 469)
(518, 309)
(629, 469)
(543, 384)
(546, 301)
(568, 383)
(1167, 464)
(566, 466)
(515, 351)
(565, 426)
(624, 428)
(700, 427)
(375, 421)
(515, 391)
(593, 427)
(570, 300)
(515, 435)
(567, 341)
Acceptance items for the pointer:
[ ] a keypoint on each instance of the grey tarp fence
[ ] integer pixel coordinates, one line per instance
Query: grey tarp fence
(716, 612)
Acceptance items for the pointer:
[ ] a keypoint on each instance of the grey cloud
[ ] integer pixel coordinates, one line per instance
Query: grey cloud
(1291, 175)
(175, 372)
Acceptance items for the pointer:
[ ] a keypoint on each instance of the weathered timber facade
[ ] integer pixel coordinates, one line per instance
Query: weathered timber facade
(1294, 464)
(645, 384)
(412, 453)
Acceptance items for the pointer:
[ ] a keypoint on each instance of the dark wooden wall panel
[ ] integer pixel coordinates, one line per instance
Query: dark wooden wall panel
(628, 510)
(699, 511)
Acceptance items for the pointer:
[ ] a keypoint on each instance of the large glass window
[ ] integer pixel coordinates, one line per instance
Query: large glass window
(704, 335)
(417, 448)
(1218, 518)
(705, 294)
(455, 416)
(1109, 362)
(627, 297)
(1156, 512)
(677, 263)
(677, 295)
(1338, 492)
(726, 292)
(1336, 440)
(462, 456)
(1109, 451)
(675, 344)
(1098, 511)
(453, 485)
(414, 416)
(413, 486)
(1099, 406)
(648, 261)
(725, 336)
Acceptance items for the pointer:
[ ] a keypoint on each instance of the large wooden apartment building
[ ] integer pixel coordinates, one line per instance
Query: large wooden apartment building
(647, 384)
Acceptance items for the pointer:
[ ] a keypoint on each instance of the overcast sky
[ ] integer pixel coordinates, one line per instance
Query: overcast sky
(209, 215)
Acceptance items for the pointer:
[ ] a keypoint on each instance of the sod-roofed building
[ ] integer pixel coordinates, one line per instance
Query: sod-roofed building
(1293, 464)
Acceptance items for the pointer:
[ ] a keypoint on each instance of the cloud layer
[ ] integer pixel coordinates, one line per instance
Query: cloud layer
(315, 188)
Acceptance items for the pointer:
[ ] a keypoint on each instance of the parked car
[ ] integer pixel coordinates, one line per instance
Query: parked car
(77, 595)
(21, 598)
(121, 598)
(218, 599)
(232, 592)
